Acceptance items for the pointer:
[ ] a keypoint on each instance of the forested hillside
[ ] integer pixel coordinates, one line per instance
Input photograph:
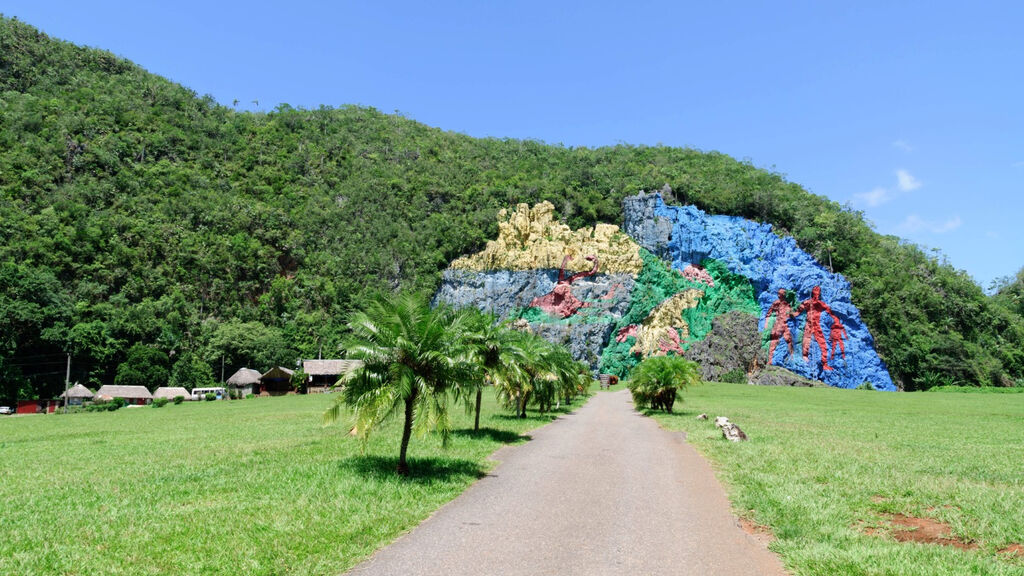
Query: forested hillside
(136, 212)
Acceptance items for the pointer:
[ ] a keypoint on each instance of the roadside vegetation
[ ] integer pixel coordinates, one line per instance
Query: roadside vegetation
(258, 487)
(836, 475)
(416, 358)
(658, 381)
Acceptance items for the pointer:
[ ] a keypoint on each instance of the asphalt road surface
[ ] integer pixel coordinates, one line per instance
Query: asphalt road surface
(601, 491)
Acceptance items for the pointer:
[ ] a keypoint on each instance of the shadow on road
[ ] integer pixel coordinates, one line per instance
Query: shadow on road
(421, 470)
(503, 436)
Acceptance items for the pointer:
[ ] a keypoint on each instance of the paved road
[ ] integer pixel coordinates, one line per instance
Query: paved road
(601, 491)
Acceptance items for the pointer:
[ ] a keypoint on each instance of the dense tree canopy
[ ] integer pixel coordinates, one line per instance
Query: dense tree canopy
(134, 211)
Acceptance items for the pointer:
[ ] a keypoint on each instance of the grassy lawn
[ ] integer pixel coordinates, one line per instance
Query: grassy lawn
(245, 487)
(824, 467)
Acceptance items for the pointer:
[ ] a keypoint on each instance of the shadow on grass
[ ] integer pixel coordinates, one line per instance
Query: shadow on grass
(503, 436)
(421, 470)
(537, 416)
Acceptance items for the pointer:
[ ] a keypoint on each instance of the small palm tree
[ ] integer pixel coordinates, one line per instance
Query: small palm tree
(656, 381)
(545, 371)
(409, 364)
(493, 349)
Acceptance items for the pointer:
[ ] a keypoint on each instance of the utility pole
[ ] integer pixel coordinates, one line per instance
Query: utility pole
(222, 369)
(67, 384)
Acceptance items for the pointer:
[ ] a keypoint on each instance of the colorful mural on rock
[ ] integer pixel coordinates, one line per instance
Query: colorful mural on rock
(619, 296)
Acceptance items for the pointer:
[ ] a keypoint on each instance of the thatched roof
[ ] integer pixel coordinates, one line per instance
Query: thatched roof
(170, 392)
(126, 392)
(77, 391)
(278, 373)
(244, 377)
(329, 367)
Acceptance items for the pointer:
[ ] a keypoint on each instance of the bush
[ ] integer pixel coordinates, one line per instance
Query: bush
(248, 396)
(210, 396)
(737, 376)
(179, 399)
(159, 402)
(656, 381)
(865, 386)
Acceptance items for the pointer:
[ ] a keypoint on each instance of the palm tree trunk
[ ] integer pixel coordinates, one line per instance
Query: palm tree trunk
(403, 466)
(479, 399)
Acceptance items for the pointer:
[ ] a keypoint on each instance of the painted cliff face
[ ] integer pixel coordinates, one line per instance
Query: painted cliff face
(615, 298)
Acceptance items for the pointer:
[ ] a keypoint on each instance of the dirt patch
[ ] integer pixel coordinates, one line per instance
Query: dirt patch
(878, 499)
(762, 534)
(923, 530)
(1014, 550)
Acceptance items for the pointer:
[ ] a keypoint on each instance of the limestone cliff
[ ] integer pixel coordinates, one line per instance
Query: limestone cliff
(532, 239)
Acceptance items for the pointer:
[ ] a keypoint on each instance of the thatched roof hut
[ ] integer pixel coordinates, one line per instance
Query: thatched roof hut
(276, 381)
(325, 373)
(133, 394)
(244, 377)
(78, 391)
(334, 368)
(172, 392)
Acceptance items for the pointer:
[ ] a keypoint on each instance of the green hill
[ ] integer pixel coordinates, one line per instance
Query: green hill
(134, 211)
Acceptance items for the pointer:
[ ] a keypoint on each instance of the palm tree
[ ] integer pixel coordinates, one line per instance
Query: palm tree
(408, 364)
(494, 350)
(656, 381)
(546, 371)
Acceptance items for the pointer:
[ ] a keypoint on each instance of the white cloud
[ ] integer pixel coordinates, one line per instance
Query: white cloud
(914, 223)
(906, 181)
(903, 145)
(873, 198)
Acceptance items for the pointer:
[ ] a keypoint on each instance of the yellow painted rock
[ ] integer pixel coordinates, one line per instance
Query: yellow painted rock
(531, 239)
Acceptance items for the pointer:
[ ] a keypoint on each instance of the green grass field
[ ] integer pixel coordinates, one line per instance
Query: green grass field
(245, 487)
(823, 467)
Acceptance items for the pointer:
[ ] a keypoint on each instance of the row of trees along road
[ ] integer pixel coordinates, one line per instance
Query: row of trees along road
(417, 358)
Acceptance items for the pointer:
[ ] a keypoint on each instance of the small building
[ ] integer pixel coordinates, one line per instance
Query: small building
(76, 395)
(244, 381)
(276, 382)
(136, 395)
(171, 392)
(322, 374)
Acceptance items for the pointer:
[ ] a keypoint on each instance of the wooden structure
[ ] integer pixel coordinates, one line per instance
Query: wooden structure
(244, 381)
(276, 382)
(171, 392)
(322, 374)
(77, 395)
(136, 395)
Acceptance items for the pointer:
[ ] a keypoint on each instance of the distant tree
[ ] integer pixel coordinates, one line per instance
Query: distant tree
(145, 366)
(190, 371)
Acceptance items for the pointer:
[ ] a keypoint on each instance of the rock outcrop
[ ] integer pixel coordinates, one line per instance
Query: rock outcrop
(771, 263)
(733, 346)
(676, 282)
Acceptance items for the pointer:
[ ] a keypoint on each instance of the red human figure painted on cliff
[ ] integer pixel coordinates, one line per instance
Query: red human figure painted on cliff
(560, 302)
(781, 309)
(814, 306)
(837, 334)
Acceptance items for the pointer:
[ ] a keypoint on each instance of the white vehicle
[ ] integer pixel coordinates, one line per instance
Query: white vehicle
(200, 393)
(5, 410)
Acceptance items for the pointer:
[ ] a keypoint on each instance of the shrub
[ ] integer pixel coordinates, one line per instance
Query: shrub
(210, 396)
(247, 396)
(159, 402)
(737, 376)
(656, 381)
(865, 386)
(179, 399)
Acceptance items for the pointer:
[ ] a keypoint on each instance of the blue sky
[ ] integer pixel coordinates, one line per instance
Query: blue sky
(910, 112)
